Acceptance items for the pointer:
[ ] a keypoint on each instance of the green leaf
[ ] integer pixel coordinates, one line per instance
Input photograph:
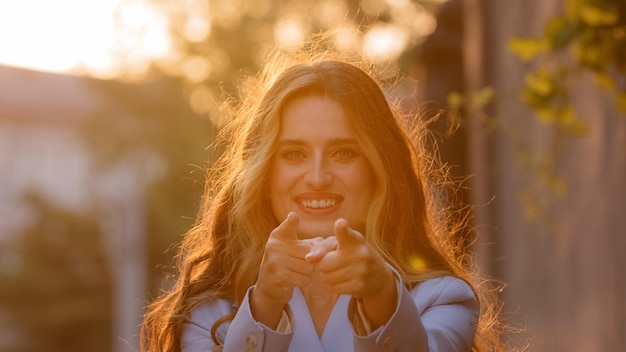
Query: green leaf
(455, 100)
(569, 122)
(526, 48)
(558, 32)
(557, 185)
(572, 9)
(596, 16)
(605, 81)
(546, 115)
(531, 207)
(528, 159)
(566, 116)
(540, 82)
(589, 55)
(483, 97)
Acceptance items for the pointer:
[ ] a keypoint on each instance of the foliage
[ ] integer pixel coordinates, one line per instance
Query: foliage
(593, 33)
(590, 37)
(477, 101)
(60, 295)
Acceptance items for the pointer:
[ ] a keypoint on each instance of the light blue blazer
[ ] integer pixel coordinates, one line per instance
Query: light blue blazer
(437, 315)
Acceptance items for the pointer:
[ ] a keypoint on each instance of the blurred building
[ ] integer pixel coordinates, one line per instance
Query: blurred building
(44, 152)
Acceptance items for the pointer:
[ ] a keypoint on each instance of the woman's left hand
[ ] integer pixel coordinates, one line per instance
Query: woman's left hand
(355, 268)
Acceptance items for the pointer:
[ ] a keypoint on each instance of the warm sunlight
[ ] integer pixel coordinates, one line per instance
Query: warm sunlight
(120, 38)
(73, 35)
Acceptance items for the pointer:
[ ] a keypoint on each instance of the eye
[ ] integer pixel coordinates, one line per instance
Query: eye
(293, 155)
(345, 154)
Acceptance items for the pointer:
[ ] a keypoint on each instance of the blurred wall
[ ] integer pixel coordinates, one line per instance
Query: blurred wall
(563, 269)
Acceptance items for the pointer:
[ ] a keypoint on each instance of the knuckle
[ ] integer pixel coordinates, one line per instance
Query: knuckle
(363, 251)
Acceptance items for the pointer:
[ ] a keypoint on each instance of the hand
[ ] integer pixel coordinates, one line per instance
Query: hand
(283, 267)
(357, 269)
(320, 246)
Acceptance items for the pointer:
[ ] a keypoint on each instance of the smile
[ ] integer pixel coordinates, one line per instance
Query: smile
(318, 204)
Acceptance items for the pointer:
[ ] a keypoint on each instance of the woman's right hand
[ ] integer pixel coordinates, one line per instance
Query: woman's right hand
(283, 267)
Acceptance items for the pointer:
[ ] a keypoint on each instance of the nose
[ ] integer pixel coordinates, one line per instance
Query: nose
(318, 174)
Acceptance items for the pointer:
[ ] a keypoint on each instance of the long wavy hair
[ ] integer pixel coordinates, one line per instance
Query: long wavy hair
(408, 222)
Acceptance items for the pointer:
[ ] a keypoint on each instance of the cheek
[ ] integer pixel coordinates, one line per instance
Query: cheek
(279, 176)
(281, 179)
(365, 180)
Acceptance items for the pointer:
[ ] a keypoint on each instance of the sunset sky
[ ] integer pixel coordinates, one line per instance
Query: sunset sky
(61, 35)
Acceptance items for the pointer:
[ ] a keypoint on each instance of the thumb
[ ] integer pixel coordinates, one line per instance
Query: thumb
(346, 237)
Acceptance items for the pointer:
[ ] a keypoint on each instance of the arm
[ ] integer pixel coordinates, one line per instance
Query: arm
(438, 315)
(244, 333)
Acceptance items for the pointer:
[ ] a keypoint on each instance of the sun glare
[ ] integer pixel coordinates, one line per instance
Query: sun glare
(384, 42)
(71, 36)
(120, 38)
(288, 32)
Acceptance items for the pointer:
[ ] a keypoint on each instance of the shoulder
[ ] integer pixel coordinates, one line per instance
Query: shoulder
(210, 311)
(442, 291)
(197, 328)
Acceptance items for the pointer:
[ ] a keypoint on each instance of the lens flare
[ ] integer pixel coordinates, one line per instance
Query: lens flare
(418, 263)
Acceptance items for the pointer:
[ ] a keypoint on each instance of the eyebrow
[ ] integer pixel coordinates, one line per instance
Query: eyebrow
(333, 142)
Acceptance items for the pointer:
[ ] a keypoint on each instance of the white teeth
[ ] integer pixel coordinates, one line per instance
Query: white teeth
(317, 204)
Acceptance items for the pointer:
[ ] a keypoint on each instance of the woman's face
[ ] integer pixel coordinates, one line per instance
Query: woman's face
(319, 170)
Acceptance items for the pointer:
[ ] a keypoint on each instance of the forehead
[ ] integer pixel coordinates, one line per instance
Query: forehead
(315, 115)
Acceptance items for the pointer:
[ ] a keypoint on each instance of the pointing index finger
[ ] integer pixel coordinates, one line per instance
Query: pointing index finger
(288, 229)
(346, 236)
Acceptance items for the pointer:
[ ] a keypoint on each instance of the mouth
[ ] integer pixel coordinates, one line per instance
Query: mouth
(318, 203)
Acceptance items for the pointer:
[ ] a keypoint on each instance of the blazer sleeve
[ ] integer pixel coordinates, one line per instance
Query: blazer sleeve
(243, 333)
(438, 315)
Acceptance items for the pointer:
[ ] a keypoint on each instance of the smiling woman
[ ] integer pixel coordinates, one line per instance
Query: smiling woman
(76, 36)
(320, 231)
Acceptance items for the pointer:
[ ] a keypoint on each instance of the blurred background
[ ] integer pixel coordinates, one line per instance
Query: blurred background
(108, 109)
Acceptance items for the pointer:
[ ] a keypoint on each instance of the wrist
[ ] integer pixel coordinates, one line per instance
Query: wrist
(265, 310)
(380, 306)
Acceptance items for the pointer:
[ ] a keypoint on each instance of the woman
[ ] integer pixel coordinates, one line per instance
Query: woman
(319, 232)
